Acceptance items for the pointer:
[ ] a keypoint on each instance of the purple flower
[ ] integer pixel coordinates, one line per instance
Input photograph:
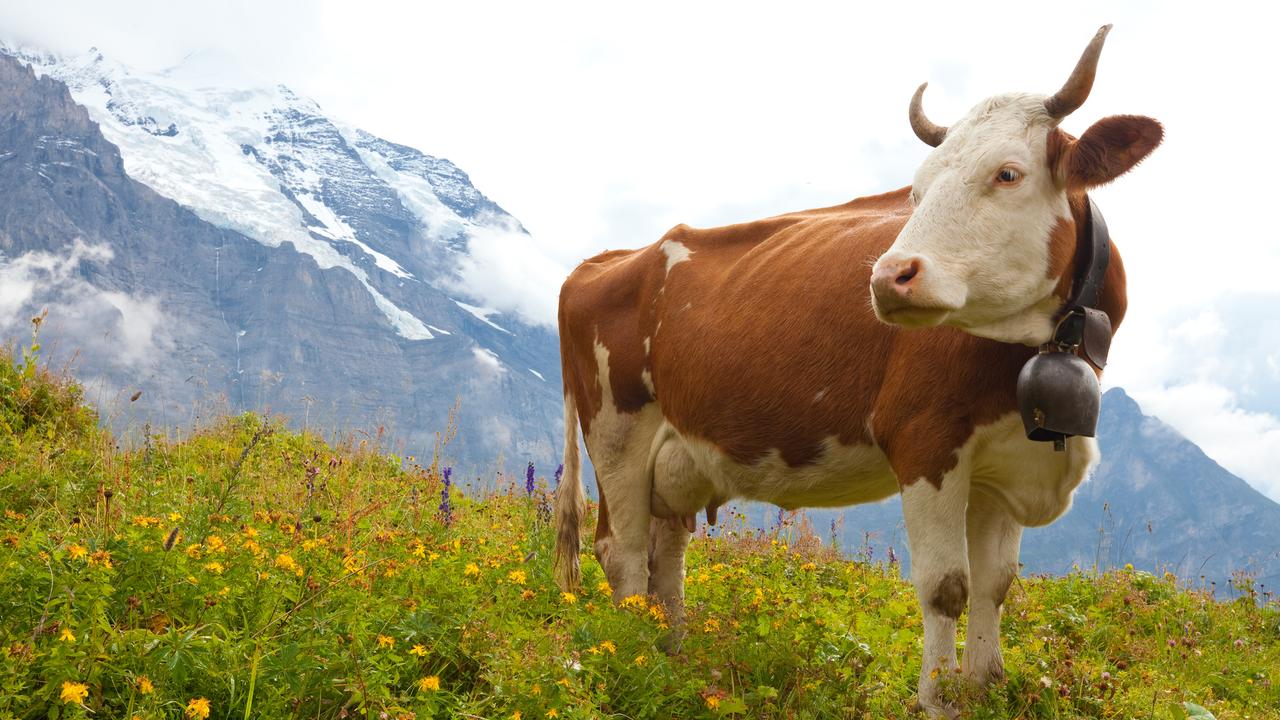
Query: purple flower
(528, 480)
(446, 507)
(559, 473)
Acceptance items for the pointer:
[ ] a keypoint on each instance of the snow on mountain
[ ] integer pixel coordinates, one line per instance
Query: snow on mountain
(254, 157)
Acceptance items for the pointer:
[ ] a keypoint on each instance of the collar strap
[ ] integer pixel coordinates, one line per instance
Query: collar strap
(1081, 324)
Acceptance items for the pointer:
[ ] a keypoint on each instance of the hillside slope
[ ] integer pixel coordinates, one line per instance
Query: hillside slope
(250, 571)
(245, 246)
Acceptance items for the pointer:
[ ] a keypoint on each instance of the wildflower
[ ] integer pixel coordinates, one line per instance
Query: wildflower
(74, 692)
(552, 713)
(608, 645)
(175, 517)
(471, 569)
(568, 598)
(641, 660)
(77, 551)
(386, 641)
(433, 556)
(101, 557)
(713, 701)
(657, 613)
(215, 544)
(418, 650)
(517, 577)
(430, 683)
(711, 625)
(635, 601)
(198, 708)
(67, 635)
(516, 715)
(144, 685)
(285, 562)
(214, 567)
(528, 480)
(419, 550)
(604, 588)
(193, 550)
(527, 594)
(559, 473)
(446, 507)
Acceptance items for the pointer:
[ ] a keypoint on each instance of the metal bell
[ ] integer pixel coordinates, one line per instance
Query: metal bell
(1059, 396)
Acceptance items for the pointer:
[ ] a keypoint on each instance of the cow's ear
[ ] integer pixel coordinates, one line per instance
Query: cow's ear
(1109, 149)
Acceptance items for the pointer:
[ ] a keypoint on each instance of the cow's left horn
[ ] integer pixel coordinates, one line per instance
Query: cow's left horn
(925, 129)
(1076, 90)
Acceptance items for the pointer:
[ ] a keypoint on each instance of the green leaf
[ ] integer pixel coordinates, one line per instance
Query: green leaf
(1195, 711)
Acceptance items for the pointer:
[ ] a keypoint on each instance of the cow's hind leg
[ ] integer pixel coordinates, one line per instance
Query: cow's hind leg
(622, 535)
(668, 541)
(994, 538)
(935, 518)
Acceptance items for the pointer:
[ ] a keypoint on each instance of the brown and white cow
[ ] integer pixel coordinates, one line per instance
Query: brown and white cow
(844, 354)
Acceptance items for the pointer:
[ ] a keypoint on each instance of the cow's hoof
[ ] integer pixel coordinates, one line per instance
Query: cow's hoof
(671, 642)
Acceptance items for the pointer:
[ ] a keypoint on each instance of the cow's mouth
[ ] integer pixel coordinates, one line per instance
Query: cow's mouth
(911, 316)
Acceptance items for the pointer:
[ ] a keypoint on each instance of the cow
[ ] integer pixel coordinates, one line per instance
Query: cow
(844, 354)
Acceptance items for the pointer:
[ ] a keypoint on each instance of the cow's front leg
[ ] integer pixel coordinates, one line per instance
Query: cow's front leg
(935, 517)
(994, 537)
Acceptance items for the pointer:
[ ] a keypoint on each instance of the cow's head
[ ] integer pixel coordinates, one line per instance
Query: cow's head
(978, 252)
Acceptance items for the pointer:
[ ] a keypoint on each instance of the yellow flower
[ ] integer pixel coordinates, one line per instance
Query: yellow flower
(641, 660)
(516, 715)
(176, 517)
(419, 550)
(67, 635)
(386, 641)
(198, 708)
(604, 588)
(285, 562)
(568, 598)
(516, 576)
(433, 556)
(472, 569)
(608, 645)
(144, 685)
(713, 701)
(430, 683)
(193, 550)
(635, 601)
(74, 692)
(418, 650)
(76, 552)
(214, 567)
(711, 625)
(528, 594)
(101, 557)
(552, 713)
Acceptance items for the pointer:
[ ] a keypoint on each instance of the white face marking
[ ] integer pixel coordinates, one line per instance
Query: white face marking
(676, 253)
(983, 245)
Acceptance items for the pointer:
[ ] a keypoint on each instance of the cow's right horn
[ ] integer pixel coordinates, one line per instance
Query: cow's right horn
(931, 134)
(1076, 90)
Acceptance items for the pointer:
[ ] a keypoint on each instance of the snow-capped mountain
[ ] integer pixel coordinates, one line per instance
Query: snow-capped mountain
(370, 315)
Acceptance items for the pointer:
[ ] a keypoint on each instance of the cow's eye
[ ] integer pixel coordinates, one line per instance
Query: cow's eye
(1008, 176)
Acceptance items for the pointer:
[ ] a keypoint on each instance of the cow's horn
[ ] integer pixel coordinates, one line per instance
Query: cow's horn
(1076, 90)
(924, 127)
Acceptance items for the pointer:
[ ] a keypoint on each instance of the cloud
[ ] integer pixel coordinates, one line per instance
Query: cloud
(510, 272)
(117, 327)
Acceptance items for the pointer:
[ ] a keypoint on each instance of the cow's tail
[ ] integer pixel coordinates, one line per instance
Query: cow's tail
(570, 503)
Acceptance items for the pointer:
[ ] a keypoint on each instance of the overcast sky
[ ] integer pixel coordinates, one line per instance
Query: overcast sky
(600, 126)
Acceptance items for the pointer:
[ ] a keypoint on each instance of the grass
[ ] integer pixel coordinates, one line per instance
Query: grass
(251, 571)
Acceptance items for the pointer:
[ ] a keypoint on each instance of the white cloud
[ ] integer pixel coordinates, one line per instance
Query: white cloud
(126, 329)
(488, 360)
(512, 273)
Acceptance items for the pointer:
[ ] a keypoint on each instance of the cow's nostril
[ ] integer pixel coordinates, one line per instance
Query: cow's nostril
(909, 273)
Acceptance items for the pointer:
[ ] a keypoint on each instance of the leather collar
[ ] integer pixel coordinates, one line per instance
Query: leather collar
(1081, 324)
